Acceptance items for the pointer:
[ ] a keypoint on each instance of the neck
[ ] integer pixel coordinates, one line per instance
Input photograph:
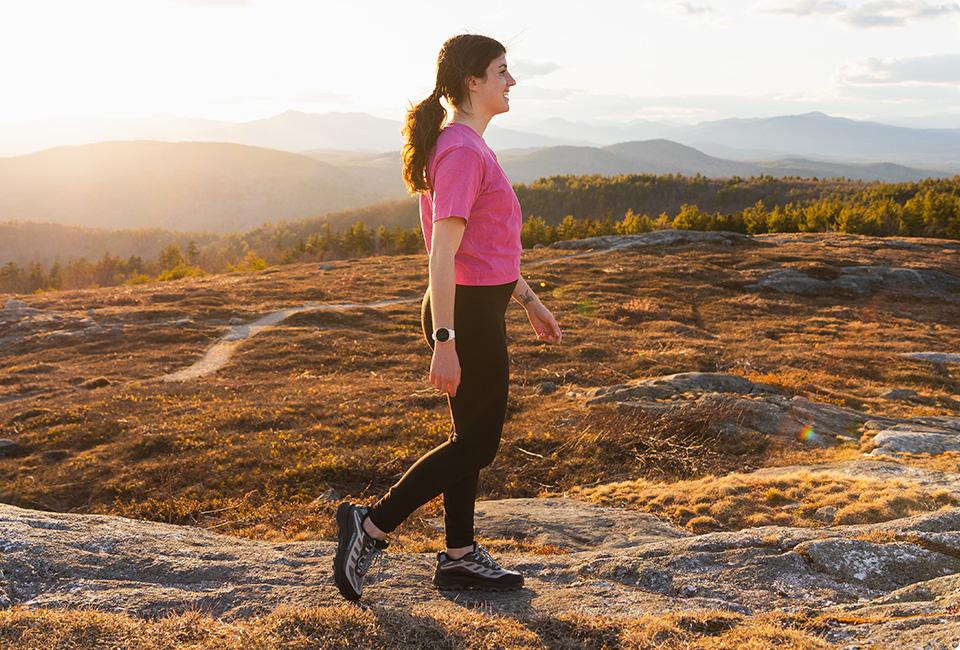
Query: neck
(475, 121)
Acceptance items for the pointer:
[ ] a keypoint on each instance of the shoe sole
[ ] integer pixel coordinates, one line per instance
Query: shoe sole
(469, 585)
(344, 512)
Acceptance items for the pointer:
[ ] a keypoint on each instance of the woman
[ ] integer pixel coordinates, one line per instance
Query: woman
(471, 224)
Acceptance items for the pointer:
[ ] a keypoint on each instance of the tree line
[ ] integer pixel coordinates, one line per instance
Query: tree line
(232, 253)
(557, 208)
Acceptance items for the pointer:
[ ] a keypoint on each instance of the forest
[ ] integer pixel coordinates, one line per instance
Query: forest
(555, 208)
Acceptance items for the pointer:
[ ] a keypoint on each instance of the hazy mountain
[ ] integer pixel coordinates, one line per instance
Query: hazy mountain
(665, 157)
(581, 133)
(295, 131)
(46, 134)
(813, 135)
(290, 131)
(822, 136)
(230, 187)
(179, 186)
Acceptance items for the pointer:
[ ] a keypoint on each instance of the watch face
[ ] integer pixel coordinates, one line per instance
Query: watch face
(442, 335)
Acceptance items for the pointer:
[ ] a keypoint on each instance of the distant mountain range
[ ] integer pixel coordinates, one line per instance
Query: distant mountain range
(223, 187)
(813, 135)
(192, 186)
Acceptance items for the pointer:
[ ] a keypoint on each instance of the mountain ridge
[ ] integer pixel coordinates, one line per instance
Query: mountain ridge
(812, 134)
(226, 187)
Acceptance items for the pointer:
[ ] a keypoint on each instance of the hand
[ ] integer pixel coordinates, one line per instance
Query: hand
(544, 324)
(445, 368)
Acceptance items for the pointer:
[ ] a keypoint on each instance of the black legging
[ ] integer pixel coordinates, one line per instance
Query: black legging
(478, 411)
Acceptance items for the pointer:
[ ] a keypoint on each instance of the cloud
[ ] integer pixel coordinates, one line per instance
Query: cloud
(534, 68)
(805, 8)
(897, 13)
(689, 9)
(941, 69)
(213, 3)
(877, 13)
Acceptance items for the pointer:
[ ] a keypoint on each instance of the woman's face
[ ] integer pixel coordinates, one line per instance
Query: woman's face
(489, 95)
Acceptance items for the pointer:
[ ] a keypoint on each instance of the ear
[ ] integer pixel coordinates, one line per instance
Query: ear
(472, 82)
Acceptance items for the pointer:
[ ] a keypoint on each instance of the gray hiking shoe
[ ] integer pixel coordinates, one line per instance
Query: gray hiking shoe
(356, 551)
(475, 570)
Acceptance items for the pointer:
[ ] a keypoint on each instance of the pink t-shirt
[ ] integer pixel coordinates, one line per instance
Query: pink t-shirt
(468, 182)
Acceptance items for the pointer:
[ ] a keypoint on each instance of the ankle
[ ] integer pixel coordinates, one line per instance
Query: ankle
(371, 529)
(459, 552)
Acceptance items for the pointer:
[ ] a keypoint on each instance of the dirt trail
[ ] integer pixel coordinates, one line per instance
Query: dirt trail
(219, 354)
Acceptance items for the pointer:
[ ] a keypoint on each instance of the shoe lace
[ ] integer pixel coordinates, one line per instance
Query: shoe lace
(370, 556)
(484, 557)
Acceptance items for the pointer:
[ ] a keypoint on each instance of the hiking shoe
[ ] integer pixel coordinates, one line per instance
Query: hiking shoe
(475, 570)
(356, 551)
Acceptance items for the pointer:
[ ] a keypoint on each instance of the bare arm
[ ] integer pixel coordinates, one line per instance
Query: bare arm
(543, 322)
(445, 365)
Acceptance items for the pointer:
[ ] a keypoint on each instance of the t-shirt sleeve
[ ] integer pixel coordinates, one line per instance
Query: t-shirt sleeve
(458, 178)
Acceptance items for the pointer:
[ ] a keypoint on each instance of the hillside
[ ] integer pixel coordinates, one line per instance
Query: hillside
(824, 136)
(757, 435)
(812, 135)
(666, 157)
(223, 188)
(177, 186)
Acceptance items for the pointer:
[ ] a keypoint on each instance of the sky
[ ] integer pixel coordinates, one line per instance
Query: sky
(595, 61)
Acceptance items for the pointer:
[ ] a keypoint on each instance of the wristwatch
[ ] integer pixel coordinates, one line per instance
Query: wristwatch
(443, 334)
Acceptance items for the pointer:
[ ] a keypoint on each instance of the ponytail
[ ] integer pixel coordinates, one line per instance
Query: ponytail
(461, 56)
(421, 130)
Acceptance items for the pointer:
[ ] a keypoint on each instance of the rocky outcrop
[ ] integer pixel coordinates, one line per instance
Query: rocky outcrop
(934, 357)
(655, 238)
(671, 385)
(738, 404)
(914, 439)
(859, 281)
(605, 561)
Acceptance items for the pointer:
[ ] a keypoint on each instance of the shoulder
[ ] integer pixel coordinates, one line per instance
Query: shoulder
(458, 152)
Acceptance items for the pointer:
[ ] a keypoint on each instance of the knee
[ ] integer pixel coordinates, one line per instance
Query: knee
(486, 455)
(478, 454)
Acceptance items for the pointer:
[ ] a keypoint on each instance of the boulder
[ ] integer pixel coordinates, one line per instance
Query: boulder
(656, 238)
(914, 439)
(8, 448)
(934, 357)
(15, 304)
(901, 394)
(859, 281)
(670, 385)
(883, 567)
(93, 384)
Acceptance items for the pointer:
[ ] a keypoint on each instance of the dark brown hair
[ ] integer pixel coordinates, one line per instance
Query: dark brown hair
(460, 57)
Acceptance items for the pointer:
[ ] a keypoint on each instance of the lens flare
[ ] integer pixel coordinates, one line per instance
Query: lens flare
(807, 433)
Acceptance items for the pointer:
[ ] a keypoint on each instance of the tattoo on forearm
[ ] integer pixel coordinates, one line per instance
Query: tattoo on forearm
(527, 298)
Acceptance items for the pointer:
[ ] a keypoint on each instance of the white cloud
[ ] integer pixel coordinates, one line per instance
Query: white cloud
(937, 69)
(690, 9)
(897, 13)
(877, 13)
(805, 8)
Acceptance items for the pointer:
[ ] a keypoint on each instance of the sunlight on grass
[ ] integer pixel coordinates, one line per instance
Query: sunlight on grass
(798, 499)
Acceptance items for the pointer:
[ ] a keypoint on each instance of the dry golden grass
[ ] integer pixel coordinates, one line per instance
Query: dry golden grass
(382, 628)
(739, 501)
(339, 400)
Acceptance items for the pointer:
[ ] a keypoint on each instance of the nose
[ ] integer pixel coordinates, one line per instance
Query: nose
(510, 80)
